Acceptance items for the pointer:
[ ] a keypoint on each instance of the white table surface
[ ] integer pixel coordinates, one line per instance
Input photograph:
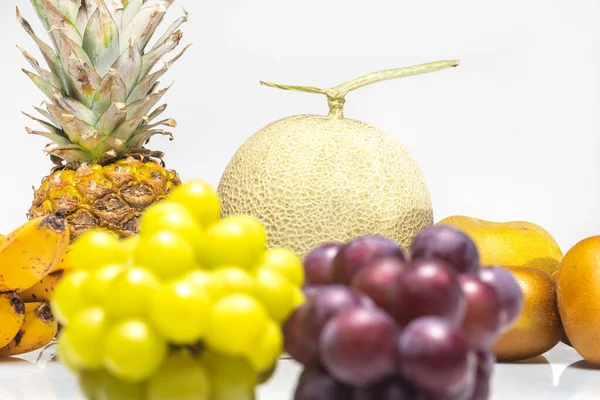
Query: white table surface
(559, 374)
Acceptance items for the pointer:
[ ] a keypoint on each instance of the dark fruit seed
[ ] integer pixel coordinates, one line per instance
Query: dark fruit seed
(446, 243)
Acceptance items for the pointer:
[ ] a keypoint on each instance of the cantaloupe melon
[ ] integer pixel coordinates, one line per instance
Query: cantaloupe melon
(321, 178)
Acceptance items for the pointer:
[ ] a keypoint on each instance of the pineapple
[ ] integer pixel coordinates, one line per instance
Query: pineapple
(102, 90)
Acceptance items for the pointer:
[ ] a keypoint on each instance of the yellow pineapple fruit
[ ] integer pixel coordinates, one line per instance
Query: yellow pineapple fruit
(102, 91)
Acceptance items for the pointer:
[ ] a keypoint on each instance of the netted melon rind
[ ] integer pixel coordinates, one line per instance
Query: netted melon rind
(313, 179)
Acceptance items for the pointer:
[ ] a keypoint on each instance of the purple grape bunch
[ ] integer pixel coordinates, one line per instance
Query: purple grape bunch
(382, 323)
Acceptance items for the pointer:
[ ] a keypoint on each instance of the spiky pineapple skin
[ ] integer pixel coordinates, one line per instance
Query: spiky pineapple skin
(112, 197)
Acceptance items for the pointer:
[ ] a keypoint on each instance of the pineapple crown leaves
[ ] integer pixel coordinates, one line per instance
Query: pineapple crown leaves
(101, 81)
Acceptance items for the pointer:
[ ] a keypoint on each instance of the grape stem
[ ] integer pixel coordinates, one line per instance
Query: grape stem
(336, 96)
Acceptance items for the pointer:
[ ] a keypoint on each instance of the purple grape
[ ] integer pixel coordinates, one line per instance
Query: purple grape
(486, 360)
(508, 290)
(483, 320)
(434, 355)
(316, 384)
(482, 388)
(390, 389)
(311, 290)
(356, 253)
(303, 328)
(379, 279)
(468, 386)
(429, 288)
(449, 244)
(317, 263)
(358, 346)
(296, 341)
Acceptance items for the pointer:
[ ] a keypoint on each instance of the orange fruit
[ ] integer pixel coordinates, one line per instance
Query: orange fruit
(578, 294)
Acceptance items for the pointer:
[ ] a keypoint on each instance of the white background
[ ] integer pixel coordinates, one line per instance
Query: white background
(513, 133)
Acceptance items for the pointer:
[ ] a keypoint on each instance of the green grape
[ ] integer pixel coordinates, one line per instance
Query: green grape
(204, 282)
(285, 262)
(97, 248)
(173, 217)
(97, 288)
(236, 322)
(85, 337)
(269, 347)
(275, 292)
(232, 241)
(90, 383)
(68, 296)
(201, 201)
(232, 280)
(65, 354)
(233, 378)
(112, 388)
(133, 350)
(181, 377)
(180, 312)
(130, 243)
(165, 253)
(129, 293)
(254, 226)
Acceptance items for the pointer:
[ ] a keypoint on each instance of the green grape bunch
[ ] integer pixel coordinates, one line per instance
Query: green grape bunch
(192, 307)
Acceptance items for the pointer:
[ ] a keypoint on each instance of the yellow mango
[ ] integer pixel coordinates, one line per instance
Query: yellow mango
(516, 243)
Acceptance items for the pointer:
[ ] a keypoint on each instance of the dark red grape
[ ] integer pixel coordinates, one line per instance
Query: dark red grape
(434, 355)
(379, 278)
(449, 244)
(486, 360)
(394, 388)
(483, 320)
(317, 263)
(316, 384)
(311, 290)
(482, 388)
(429, 288)
(296, 341)
(303, 328)
(508, 290)
(468, 386)
(354, 254)
(358, 346)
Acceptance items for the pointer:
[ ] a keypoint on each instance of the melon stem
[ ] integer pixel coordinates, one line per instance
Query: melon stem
(336, 96)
